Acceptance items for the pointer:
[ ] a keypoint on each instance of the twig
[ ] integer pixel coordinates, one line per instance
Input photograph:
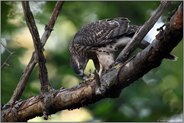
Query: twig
(10, 52)
(26, 73)
(84, 93)
(51, 23)
(43, 74)
(137, 38)
(5, 63)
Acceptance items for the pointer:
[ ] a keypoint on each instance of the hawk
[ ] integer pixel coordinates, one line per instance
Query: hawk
(100, 41)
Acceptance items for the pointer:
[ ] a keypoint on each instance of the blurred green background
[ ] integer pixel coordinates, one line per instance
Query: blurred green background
(157, 96)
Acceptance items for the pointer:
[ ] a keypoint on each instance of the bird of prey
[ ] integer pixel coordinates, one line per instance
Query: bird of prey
(100, 41)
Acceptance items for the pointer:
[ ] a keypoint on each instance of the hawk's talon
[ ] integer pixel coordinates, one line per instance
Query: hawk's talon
(88, 77)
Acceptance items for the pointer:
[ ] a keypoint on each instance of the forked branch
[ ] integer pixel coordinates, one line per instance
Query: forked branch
(43, 74)
(27, 72)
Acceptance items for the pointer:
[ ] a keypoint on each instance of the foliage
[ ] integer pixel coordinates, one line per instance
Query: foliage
(156, 96)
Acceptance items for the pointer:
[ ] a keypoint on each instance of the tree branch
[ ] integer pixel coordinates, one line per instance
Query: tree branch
(26, 73)
(43, 74)
(84, 93)
(5, 63)
(51, 23)
(137, 38)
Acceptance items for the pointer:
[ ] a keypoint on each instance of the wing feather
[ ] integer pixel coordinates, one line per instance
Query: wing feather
(102, 32)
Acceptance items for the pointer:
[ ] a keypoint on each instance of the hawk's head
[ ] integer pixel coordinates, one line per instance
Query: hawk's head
(78, 62)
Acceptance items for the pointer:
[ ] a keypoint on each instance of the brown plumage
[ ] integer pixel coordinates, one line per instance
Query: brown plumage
(99, 41)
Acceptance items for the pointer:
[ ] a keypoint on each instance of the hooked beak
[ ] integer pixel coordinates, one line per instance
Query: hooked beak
(81, 73)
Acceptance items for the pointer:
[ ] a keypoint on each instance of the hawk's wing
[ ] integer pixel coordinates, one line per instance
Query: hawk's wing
(103, 32)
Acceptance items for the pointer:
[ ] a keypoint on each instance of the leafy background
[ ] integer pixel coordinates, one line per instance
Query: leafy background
(157, 96)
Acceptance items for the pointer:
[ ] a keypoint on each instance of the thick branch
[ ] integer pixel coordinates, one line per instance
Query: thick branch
(27, 72)
(84, 94)
(153, 55)
(137, 38)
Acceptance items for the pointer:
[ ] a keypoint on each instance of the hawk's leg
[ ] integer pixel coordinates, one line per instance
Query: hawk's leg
(105, 60)
(102, 64)
(98, 82)
(97, 73)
